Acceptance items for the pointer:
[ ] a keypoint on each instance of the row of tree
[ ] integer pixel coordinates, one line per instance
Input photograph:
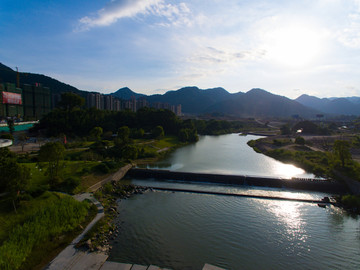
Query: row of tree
(71, 119)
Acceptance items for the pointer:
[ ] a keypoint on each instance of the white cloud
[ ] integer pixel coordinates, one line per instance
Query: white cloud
(350, 36)
(174, 14)
(211, 55)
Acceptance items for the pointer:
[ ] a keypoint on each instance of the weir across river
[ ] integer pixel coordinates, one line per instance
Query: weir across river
(330, 186)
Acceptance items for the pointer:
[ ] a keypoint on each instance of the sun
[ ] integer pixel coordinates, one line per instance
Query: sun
(293, 45)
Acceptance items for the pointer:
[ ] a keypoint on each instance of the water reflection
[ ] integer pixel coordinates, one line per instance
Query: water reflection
(287, 170)
(184, 231)
(227, 154)
(288, 213)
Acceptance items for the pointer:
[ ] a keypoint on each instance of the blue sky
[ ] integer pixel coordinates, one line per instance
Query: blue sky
(151, 46)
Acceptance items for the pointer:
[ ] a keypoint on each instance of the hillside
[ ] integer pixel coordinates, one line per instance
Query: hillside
(126, 93)
(258, 102)
(192, 99)
(57, 87)
(334, 106)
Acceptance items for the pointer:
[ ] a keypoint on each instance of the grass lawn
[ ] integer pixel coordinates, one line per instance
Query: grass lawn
(166, 142)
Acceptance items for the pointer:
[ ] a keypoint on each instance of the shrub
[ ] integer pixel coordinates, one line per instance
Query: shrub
(38, 190)
(71, 182)
(102, 168)
(300, 140)
(351, 201)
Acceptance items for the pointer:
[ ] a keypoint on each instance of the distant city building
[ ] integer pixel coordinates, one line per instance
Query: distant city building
(11, 101)
(37, 101)
(30, 102)
(142, 103)
(111, 103)
(178, 110)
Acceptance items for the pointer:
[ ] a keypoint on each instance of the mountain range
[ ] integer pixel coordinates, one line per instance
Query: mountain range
(254, 103)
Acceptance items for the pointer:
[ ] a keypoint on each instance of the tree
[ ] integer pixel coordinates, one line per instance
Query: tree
(52, 154)
(22, 139)
(16, 177)
(123, 137)
(11, 125)
(124, 133)
(341, 150)
(96, 133)
(158, 132)
(300, 140)
(69, 101)
(129, 152)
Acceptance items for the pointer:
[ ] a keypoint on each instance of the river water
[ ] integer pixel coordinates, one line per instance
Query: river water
(227, 154)
(185, 230)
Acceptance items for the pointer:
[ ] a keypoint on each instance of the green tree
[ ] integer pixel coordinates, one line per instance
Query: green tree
(16, 177)
(69, 101)
(300, 140)
(96, 133)
(52, 154)
(129, 152)
(22, 139)
(158, 132)
(341, 150)
(11, 125)
(124, 133)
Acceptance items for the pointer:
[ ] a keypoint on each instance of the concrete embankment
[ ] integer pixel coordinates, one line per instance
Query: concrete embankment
(328, 186)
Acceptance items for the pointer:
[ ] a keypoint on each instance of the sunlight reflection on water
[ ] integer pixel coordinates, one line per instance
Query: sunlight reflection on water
(227, 154)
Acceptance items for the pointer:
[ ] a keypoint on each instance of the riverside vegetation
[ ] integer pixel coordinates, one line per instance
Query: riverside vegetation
(321, 153)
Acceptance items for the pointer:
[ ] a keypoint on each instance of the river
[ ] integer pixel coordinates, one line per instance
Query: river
(227, 154)
(185, 230)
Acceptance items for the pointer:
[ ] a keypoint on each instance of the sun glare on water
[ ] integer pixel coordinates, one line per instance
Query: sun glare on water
(293, 46)
(288, 170)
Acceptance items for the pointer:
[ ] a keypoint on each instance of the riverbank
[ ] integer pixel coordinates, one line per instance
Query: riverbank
(98, 239)
(73, 258)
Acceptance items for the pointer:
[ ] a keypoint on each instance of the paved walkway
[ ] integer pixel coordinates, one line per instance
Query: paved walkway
(125, 266)
(114, 177)
(73, 259)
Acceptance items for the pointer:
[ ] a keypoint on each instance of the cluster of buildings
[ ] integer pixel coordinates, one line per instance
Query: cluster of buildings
(31, 102)
(111, 103)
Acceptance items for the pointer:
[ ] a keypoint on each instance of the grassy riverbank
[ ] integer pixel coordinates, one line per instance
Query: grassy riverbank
(41, 228)
(46, 222)
(315, 155)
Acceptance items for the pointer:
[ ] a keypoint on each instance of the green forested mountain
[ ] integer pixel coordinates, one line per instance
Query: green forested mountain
(126, 93)
(345, 106)
(57, 87)
(192, 99)
(256, 102)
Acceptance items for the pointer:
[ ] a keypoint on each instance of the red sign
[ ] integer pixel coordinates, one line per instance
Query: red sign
(11, 98)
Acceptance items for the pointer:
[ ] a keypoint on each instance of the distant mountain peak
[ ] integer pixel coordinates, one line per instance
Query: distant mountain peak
(126, 93)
